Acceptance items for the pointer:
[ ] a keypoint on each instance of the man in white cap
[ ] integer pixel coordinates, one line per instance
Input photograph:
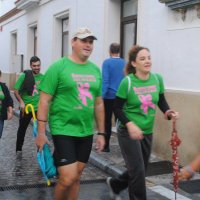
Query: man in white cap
(71, 94)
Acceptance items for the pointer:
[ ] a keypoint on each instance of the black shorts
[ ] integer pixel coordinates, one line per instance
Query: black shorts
(69, 149)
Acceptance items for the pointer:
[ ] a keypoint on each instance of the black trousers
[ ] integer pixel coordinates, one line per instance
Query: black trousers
(108, 106)
(136, 155)
(24, 121)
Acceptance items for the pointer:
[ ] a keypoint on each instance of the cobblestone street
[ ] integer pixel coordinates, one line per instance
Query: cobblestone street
(25, 170)
(21, 178)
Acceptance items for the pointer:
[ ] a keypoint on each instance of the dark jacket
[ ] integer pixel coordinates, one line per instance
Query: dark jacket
(8, 101)
(28, 84)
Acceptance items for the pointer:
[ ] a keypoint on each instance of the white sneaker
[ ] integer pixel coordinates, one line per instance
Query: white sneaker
(112, 194)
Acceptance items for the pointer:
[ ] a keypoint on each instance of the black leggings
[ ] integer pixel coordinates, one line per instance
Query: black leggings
(24, 121)
(136, 155)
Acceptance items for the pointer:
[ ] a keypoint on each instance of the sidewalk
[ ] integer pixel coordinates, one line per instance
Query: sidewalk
(110, 162)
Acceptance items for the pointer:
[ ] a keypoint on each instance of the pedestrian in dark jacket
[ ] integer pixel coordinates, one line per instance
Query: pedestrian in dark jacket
(6, 105)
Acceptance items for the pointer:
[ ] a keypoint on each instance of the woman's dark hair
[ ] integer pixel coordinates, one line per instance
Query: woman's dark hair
(133, 52)
(0, 72)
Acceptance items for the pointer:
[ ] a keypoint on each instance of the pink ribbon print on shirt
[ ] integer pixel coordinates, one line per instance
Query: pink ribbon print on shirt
(146, 101)
(34, 90)
(84, 92)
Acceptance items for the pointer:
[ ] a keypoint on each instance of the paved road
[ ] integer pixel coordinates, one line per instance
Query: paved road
(21, 179)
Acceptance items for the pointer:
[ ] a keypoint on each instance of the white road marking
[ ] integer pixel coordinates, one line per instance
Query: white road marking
(167, 193)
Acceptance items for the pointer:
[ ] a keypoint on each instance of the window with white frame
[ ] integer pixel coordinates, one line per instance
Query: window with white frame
(65, 36)
(61, 34)
(128, 25)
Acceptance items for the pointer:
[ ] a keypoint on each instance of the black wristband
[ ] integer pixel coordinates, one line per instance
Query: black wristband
(103, 134)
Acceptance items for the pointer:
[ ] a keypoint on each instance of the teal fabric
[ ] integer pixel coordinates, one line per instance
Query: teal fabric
(50, 168)
(45, 158)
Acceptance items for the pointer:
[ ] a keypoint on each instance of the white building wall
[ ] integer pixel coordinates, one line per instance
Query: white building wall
(174, 44)
(111, 30)
(4, 55)
(6, 5)
(102, 17)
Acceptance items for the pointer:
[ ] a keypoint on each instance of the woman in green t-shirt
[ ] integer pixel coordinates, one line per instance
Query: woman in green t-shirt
(135, 106)
(6, 105)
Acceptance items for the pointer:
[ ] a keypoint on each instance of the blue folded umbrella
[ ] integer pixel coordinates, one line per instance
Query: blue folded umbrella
(46, 162)
(44, 157)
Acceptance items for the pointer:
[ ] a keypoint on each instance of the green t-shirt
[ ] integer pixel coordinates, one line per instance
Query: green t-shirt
(2, 97)
(142, 99)
(34, 98)
(74, 88)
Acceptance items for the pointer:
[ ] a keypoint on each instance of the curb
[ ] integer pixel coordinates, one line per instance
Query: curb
(105, 164)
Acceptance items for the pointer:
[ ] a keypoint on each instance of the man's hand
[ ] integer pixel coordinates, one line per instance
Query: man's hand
(134, 131)
(22, 106)
(10, 115)
(41, 140)
(100, 143)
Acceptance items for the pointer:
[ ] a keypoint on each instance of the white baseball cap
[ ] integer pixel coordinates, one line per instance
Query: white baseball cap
(83, 33)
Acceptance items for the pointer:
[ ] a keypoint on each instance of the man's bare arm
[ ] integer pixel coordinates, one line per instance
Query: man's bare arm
(21, 102)
(99, 116)
(42, 117)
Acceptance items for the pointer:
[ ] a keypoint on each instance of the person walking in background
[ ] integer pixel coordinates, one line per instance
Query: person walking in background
(112, 74)
(6, 105)
(26, 92)
(72, 90)
(135, 106)
(188, 171)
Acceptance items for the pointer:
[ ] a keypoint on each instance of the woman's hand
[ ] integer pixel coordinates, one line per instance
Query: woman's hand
(186, 173)
(171, 114)
(134, 131)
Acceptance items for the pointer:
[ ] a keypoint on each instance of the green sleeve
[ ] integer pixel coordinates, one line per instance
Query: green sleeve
(19, 82)
(49, 82)
(161, 83)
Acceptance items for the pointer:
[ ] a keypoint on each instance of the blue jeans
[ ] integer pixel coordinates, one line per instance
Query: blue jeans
(1, 127)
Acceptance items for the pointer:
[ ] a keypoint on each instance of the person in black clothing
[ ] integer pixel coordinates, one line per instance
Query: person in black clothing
(112, 74)
(6, 105)
(135, 106)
